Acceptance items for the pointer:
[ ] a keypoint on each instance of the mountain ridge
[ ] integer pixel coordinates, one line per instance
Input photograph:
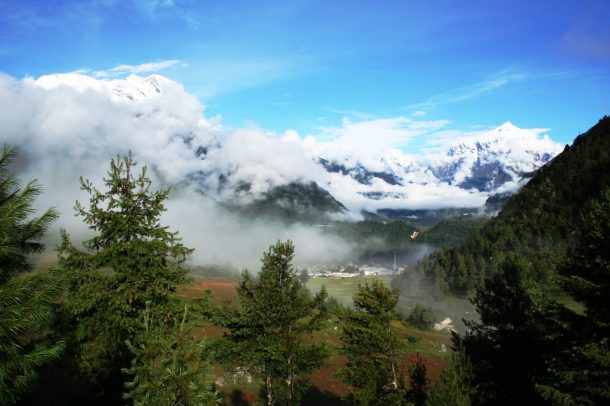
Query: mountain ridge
(538, 223)
(461, 174)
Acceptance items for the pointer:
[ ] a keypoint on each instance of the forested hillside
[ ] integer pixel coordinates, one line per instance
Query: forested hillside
(538, 223)
(454, 230)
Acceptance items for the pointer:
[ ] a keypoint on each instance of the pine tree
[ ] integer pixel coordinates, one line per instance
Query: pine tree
(25, 301)
(508, 346)
(421, 317)
(20, 234)
(581, 370)
(418, 382)
(372, 347)
(170, 366)
(454, 387)
(266, 334)
(132, 260)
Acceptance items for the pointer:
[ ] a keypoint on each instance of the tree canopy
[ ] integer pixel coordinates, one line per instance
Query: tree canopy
(131, 260)
(26, 302)
(266, 334)
(371, 346)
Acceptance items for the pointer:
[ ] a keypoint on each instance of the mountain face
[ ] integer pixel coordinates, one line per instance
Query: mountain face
(538, 224)
(307, 203)
(248, 169)
(484, 162)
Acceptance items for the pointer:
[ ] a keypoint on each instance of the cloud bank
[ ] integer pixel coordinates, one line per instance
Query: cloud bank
(71, 125)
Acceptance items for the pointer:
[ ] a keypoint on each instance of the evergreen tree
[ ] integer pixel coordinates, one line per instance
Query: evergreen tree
(421, 317)
(132, 260)
(418, 382)
(581, 371)
(371, 346)
(266, 334)
(304, 276)
(170, 366)
(25, 301)
(454, 387)
(508, 346)
(20, 232)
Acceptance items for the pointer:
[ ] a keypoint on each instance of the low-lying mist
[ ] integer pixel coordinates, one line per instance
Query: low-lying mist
(417, 288)
(220, 236)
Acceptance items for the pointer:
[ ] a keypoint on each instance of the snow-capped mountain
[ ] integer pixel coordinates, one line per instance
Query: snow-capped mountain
(163, 126)
(133, 88)
(486, 161)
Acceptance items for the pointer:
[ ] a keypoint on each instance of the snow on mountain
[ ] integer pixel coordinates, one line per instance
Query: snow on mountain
(133, 88)
(462, 173)
(90, 119)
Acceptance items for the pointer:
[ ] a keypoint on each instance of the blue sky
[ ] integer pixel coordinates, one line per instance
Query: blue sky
(306, 65)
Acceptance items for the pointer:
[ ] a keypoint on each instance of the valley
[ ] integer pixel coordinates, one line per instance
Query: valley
(239, 388)
(355, 203)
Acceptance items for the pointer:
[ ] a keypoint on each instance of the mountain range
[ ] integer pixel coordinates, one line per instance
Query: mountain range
(316, 180)
(540, 223)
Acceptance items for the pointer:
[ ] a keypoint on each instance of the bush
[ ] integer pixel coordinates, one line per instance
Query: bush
(422, 317)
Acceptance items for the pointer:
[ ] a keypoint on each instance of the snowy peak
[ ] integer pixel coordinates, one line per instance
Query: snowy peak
(133, 88)
(479, 164)
(158, 120)
(506, 127)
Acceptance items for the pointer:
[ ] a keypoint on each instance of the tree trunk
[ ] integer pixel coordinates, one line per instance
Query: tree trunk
(392, 359)
(269, 394)
(394, 377)
(290, 383)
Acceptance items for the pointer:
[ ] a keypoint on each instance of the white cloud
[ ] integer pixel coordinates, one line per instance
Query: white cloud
(71, 125)
(365, 140)
(122, 70)
(472, 91)
(64, 132)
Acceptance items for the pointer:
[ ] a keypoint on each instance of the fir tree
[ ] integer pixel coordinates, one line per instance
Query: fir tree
(581, 371)
(371, 346)
(25, 301)
(20, 232)
(266, 334)
(421, 317)
(508, 346)
(418, 382)
(132, 260)
(169, 365)
(454, 387)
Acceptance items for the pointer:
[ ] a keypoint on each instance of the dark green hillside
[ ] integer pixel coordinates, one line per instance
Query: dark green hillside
(307, 203)
(538, 223)
(391, 235)
(453, 231)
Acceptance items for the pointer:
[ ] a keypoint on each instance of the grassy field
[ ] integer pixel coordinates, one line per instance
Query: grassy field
(343, 289)
(327, 388)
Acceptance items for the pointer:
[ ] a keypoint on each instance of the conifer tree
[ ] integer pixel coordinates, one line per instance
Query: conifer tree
(170, 366)
(508, 346)
(21, 233)
(371, 346)
(132, 260)
(418, 382)
(454, 387)
(25, 301)
(581, 370)
(266, 334)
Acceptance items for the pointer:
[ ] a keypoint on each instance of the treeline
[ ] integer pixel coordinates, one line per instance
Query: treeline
(454, 230)
(372, 234)
(539, 223)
